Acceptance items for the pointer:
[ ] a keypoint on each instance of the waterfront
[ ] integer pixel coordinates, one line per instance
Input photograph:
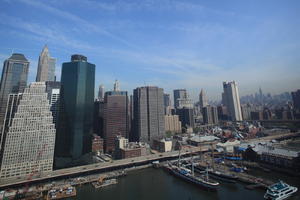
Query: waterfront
(149, 184)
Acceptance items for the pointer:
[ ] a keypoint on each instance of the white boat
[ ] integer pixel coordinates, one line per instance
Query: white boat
(279, 191)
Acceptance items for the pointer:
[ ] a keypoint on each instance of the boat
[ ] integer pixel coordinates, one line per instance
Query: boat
(219, 175)
(189, 175)
(62, 192)
(279, 191)
(105, 183)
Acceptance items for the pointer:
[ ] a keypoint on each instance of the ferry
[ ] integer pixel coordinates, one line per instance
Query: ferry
(279, 191)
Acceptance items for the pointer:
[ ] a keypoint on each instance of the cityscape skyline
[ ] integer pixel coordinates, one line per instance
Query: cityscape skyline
(205, 62)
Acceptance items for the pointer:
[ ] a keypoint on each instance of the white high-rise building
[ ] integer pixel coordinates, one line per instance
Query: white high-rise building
(231, 100)
(202, 99)
(116, 86)
(101, 92)
(46, 67)
(28, 143)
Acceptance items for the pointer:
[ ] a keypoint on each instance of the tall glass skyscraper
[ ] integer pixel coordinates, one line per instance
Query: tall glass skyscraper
(13, 80)
(75, 125)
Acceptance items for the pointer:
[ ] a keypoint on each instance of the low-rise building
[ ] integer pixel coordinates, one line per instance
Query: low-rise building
(162, 145)
(205, 142)
(97, 144)
(228, 147)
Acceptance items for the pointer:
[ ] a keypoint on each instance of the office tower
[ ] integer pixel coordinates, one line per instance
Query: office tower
(222, 112)
(115, 118)
(231, 100)
(167, 104)
(181, 99)
(296, 100)
(28, 142)
(116, 85)
(210, 115)
(46, 66)
(53, 92)
(246, 111)
(13, 80)
(99, 117)
(202, 99)
(149, 121)
(101, 93)
(172, 123)
(75, 124)
(186, 116)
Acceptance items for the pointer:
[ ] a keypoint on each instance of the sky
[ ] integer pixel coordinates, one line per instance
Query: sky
(171, 44)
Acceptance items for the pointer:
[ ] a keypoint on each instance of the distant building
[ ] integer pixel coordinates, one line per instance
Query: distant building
(53, 91)
(202, 99)
(296, 100)
(99, 117)
(231, 100)
(267, 114)
(116, 119)
(167, 104)
(13, 80)
(97, 144)
(46, 66)
(181, 99)
(28, 142)
(257, 115)
(246, 111)
(172, 123)
(186, 116)
(101, 93)
(222, 112)
(149, 121)
(75, 124)
(210, 115)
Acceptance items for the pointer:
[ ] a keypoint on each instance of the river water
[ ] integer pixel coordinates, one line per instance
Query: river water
(156, 184)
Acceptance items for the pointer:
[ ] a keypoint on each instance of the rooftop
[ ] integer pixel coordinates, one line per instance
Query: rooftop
(18, 56)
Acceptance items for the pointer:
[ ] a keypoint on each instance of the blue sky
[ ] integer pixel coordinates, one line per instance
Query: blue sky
(169, 43)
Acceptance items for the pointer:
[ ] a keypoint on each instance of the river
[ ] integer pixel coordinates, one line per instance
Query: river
(156, 184)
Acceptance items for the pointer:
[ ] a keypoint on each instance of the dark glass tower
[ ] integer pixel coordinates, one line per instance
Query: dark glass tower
(75, 125)
(13, 80)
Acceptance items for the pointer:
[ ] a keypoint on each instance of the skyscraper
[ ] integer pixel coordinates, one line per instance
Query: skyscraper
(116, 119)
(231, 100)
(202, 99)
(46, 66)
(101, 92)
(75, 125)
(28, 142)
(13, 80)
(149, 121)
(116, 85)
(210, 115)
(53, 91)
(296, 100)
(167, 104)
(181, 99)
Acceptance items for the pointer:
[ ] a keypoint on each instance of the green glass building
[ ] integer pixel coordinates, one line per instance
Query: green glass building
(75, 125)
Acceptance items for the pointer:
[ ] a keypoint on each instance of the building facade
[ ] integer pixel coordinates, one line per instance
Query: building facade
(28, 145)
(101, 93)
(172, 123)
(231, 100)
(13, 80)
(53, 91)
(186, 116)
(116, 119)
(296, 100)
(75, 124)
(202, 99)
(46, 66)
(210, 115)
(149, 121)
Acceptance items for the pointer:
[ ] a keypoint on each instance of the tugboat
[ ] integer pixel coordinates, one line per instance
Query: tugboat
(279, 191)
